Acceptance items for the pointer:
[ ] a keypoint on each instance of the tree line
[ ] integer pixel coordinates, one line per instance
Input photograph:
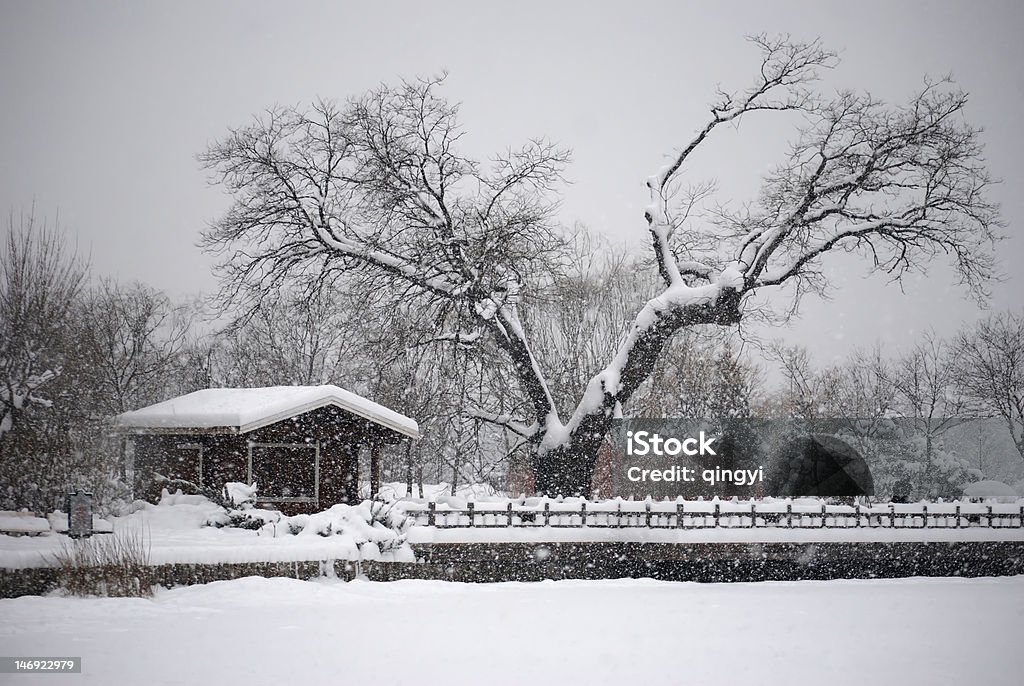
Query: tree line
(80, 348)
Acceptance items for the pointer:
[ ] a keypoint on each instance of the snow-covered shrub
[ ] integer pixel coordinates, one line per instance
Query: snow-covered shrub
(238, 502)
(376, 527)
(241, 495)
(220, 497)
(112, 565)
(898, 456)
(253, 519)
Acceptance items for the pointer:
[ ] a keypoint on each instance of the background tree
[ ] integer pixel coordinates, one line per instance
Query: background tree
(924, 381)
(900, 415)
(40, 278)
(133, 338)
(577, 322)
(809, 393)
(990, 369)
(290, 338)
(40, 282)
(376, 193)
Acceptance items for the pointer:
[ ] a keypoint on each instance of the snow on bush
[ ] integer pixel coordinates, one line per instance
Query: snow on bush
(374, 527)
(994, 490)
(239, 511)
(239, 494)
(178, 498)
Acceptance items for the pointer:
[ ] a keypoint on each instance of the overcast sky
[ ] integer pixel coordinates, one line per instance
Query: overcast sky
(106, 104)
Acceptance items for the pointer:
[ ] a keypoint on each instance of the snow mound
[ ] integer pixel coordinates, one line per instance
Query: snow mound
(22, 523)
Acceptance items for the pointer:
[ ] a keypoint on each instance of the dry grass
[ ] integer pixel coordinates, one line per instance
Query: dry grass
(114, 565)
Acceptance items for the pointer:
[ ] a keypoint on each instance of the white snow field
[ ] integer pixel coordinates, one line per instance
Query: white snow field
(282, 631)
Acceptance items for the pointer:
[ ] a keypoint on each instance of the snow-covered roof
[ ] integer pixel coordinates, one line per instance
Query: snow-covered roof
(247, 409)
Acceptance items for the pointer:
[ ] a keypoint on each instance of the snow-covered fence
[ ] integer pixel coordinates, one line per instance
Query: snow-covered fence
(726, 514)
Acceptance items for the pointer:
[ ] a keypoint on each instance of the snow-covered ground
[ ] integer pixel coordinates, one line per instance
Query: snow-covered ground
(271, 631)
(173, 532)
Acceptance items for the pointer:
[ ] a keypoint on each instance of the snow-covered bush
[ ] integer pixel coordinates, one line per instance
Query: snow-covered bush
(238, 509)
(241, 495)
(375, 526)
(382, 525)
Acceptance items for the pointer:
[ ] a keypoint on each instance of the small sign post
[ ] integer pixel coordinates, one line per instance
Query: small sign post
(79, 508)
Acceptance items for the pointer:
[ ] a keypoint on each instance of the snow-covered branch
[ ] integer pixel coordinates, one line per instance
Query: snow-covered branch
(458, 337)
(506, 421)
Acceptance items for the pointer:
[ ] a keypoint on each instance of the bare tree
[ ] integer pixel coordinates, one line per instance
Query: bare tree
(377, 193)
(990, 369)
(51, 437)
(893, 413)
(579, 320)
(40, 278)
(811, 393)
(132, 338)
(291, 338)
(924, 381)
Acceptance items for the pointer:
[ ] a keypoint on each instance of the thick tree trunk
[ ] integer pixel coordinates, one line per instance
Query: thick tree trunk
(567, 468)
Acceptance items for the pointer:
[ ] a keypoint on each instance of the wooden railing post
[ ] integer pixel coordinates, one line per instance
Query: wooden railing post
(822, 515)
(957, 516)
(789, 515)
(718, 514)
(680, 509)
(508, 521)
(583, 513)
(431, 507)
(892, 516)
(547, 514)
(647, 510)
